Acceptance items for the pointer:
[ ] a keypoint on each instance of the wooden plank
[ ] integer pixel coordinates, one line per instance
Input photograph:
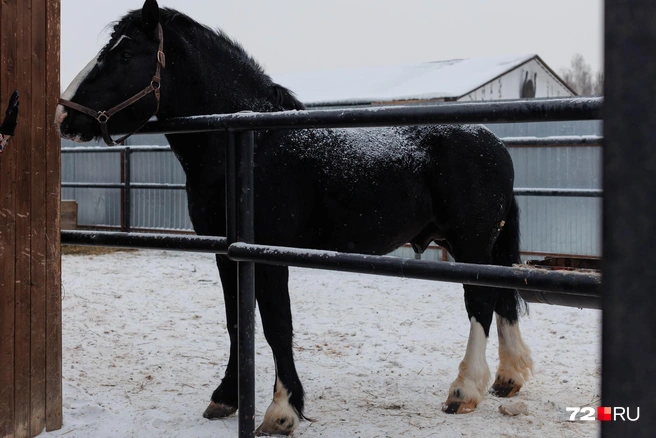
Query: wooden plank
(53, 204)
(7, 226)
(38, 220)
(68, 207)
(30, 288)
(21, 142)
(69, 215)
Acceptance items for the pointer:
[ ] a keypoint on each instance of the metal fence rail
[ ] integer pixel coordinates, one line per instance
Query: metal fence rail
(584, 284)
(533, 110)
(563, 140)
(240, 195)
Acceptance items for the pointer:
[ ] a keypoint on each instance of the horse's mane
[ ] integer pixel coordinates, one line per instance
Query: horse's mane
(281, 97)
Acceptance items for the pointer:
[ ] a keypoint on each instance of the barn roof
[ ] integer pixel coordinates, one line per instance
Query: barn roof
(449, 79)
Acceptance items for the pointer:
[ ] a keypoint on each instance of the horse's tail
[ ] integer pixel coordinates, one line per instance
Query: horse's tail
(506, 253)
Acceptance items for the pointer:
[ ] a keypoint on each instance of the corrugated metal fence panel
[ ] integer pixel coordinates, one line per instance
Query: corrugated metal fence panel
(549, 224)
(558, 225)
(157, 208)
(151, 208)
(152, 140)
(546, 129)
(95, 206)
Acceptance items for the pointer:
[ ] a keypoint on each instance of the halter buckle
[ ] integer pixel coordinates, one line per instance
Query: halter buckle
(161, 58)
(102, 117)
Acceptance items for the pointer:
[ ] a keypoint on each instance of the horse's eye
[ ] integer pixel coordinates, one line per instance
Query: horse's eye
(126, 56)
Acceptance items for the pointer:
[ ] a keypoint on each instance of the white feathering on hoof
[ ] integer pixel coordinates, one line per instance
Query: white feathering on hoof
(473, 373)
(515, 363)
(280, 418)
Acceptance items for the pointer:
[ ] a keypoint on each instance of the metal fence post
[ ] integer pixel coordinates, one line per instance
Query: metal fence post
(629, 232)
(126, 156)
(231, 188)
(239, 211)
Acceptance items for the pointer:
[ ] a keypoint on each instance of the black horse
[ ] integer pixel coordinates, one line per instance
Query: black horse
(353, 190)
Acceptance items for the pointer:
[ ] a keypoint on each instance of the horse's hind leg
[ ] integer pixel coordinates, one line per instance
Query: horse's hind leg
(283, 415)
(225, 398)
(473, 243)
(469, 388)
(515, 363)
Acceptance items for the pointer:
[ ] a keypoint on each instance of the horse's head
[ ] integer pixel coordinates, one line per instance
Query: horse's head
(110, 83)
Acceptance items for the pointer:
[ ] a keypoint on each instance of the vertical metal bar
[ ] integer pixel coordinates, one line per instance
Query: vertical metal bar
(122, 200)
(629, 234)
(127, 197)
(231, 188)
(246, 284)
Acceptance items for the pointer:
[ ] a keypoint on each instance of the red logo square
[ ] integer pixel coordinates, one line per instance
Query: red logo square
(604, 413)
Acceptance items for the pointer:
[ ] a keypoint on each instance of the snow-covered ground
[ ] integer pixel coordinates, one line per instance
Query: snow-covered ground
(145, 346)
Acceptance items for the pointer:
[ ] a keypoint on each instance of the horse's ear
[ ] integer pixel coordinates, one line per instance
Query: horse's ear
(150, 15)
(285, 99)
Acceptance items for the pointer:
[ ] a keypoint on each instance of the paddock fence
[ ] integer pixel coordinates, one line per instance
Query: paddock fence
(239, 242)
(139, 187)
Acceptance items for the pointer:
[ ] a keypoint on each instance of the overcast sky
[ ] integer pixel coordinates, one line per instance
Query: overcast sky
(303, 35)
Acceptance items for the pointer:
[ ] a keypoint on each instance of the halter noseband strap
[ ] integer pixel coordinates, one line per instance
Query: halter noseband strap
(103, 116)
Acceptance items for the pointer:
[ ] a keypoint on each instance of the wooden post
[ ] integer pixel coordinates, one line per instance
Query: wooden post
(30, 261)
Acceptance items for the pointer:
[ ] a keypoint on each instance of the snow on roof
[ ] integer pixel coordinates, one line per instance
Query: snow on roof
(428, 80)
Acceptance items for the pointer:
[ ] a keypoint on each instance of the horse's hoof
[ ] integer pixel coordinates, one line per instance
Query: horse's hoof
(505, 389)
(280, 418)
(283, 426)
(278, 421)
(215, 411)
(458, 407)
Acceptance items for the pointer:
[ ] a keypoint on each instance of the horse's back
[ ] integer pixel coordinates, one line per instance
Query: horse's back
(371, 150)
(352, 159)
(371, 190)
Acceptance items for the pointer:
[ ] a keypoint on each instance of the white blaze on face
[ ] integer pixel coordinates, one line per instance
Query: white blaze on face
(68, 94)
(119, 42)
(60, 113)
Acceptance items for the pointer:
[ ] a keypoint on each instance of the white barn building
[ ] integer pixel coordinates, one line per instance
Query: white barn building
(504, 77)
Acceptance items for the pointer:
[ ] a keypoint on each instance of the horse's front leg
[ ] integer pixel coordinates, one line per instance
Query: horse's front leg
(225, 398)
(272, 293)
(469, 388)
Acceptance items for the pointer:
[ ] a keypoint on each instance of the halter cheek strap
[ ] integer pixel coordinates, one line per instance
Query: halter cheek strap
(103, 116)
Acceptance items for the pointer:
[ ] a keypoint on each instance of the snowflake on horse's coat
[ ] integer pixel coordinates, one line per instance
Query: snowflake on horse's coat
(352, 190)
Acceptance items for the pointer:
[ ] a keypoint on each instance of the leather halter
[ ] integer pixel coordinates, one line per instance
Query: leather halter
(103, 116)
